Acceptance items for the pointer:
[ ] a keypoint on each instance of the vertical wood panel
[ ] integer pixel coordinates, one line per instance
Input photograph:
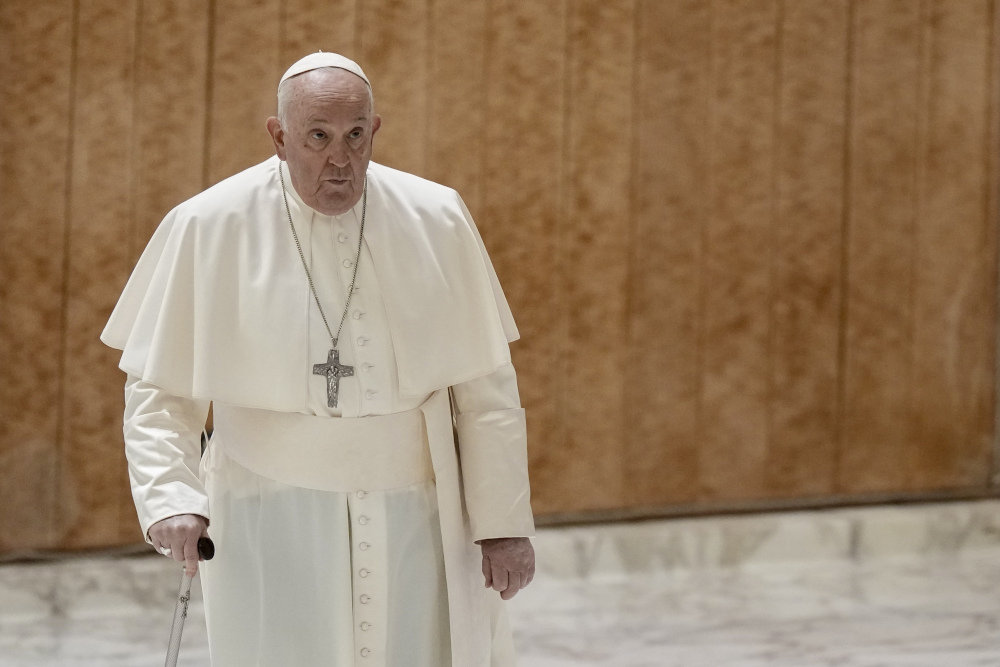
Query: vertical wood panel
(595, 236)
(394, 49)
(246, 66)
(520, 204)
(739, 246)
(456, 98)
(171, 110)
(317, 25)
(991, 144)
(670, 180)
(805, 307)
(878, 339)
(36, 44)
(954, 293)
(100, 216)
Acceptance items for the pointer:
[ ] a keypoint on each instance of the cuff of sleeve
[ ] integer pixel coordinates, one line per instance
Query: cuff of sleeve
(494, 457)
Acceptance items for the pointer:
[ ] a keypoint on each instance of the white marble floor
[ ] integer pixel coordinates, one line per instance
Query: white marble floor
(901, 608)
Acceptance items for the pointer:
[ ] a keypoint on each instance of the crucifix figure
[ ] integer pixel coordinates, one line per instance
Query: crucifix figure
(333, 370)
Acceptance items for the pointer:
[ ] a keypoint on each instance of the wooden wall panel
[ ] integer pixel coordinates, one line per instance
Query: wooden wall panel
(878, 340)
(36, 83)
(394, 52)
(594, 238)
(954, 290)
(525, 108)
(808, 210)
(672, 103)
(308, 26)
(750, 244)
(738, 251)
(456, 98)
(171, 107)
(100, 216)
(245, 68)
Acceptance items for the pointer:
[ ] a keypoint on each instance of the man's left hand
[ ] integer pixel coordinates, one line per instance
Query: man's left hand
(508, 564)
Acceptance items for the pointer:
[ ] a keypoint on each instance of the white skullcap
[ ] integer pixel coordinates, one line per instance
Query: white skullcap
(322, 59)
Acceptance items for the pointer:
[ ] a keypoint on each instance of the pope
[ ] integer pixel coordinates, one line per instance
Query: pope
(366, 479)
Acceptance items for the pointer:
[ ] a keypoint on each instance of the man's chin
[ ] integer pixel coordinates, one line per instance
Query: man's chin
(336, 203)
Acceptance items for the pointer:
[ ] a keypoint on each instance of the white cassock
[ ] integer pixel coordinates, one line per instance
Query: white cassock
(345, 535)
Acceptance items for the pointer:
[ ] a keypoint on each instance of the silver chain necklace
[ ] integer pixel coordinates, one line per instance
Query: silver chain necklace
(332, 369)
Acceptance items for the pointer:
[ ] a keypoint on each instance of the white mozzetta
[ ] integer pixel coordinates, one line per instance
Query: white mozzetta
(217, 307)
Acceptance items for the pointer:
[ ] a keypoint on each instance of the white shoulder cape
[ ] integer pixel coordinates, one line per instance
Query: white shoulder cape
(217, 306)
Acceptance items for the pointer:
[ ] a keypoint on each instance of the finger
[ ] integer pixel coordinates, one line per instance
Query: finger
(191, 555)
(487, 571)
(500, 579)
(176, 547)
(513, 586)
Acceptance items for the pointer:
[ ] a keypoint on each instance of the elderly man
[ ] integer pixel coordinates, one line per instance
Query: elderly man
(346, 323)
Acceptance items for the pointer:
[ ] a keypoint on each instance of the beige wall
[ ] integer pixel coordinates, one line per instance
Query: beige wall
(750, 244)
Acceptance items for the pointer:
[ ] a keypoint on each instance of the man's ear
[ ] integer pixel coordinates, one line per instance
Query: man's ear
(376, 123)
(277, 136)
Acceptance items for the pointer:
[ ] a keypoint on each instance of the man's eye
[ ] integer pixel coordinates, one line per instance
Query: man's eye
(318, 135)
(355, 134)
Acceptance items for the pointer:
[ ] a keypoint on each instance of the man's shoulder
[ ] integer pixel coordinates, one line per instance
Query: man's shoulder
(410, 186)
(231, 198)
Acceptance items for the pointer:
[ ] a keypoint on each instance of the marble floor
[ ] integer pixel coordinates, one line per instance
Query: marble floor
(928, 601)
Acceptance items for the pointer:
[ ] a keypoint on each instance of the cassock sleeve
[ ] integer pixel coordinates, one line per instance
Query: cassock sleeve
(493, 450)
(163, 449)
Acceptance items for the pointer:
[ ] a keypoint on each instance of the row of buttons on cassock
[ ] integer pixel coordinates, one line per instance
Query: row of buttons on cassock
(364, 598)
(366, 366)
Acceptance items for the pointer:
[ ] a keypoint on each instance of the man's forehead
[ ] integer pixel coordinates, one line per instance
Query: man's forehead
(320, 90)
(328, 118)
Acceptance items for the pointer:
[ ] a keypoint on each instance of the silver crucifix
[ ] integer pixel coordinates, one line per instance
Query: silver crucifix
(333, 370)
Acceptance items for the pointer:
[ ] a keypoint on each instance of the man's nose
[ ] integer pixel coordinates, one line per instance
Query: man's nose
(338, 156)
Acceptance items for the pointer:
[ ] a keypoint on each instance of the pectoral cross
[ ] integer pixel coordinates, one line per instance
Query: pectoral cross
(333, 371)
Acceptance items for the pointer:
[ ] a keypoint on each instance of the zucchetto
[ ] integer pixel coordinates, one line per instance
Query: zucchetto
(323, 59)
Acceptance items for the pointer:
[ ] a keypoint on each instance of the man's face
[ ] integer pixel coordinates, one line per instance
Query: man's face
(326, 138)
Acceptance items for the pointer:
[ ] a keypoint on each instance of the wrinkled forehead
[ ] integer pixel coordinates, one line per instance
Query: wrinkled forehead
(331, 96)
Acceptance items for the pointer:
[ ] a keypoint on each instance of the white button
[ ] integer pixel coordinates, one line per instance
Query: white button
(363, 546)
(361, 494)
(361, 340)
(363, 572)
(365, 599)
(365, 652)
(342, 237)
(347, 263)
(365, 366)
(369, 393)
(363, 520)
(357, 314)
(365, 625)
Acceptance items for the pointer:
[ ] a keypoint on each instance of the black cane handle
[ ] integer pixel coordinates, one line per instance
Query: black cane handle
(206, 548)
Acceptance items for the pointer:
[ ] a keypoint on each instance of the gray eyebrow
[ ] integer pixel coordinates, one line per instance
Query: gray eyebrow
(317, 119)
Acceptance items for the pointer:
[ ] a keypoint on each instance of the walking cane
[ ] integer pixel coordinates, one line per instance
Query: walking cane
(206, 549)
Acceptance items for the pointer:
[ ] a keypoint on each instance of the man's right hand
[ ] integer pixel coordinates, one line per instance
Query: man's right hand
(180, 534)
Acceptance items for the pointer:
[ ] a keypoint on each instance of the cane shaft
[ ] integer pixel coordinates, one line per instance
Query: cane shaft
(180, 613)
